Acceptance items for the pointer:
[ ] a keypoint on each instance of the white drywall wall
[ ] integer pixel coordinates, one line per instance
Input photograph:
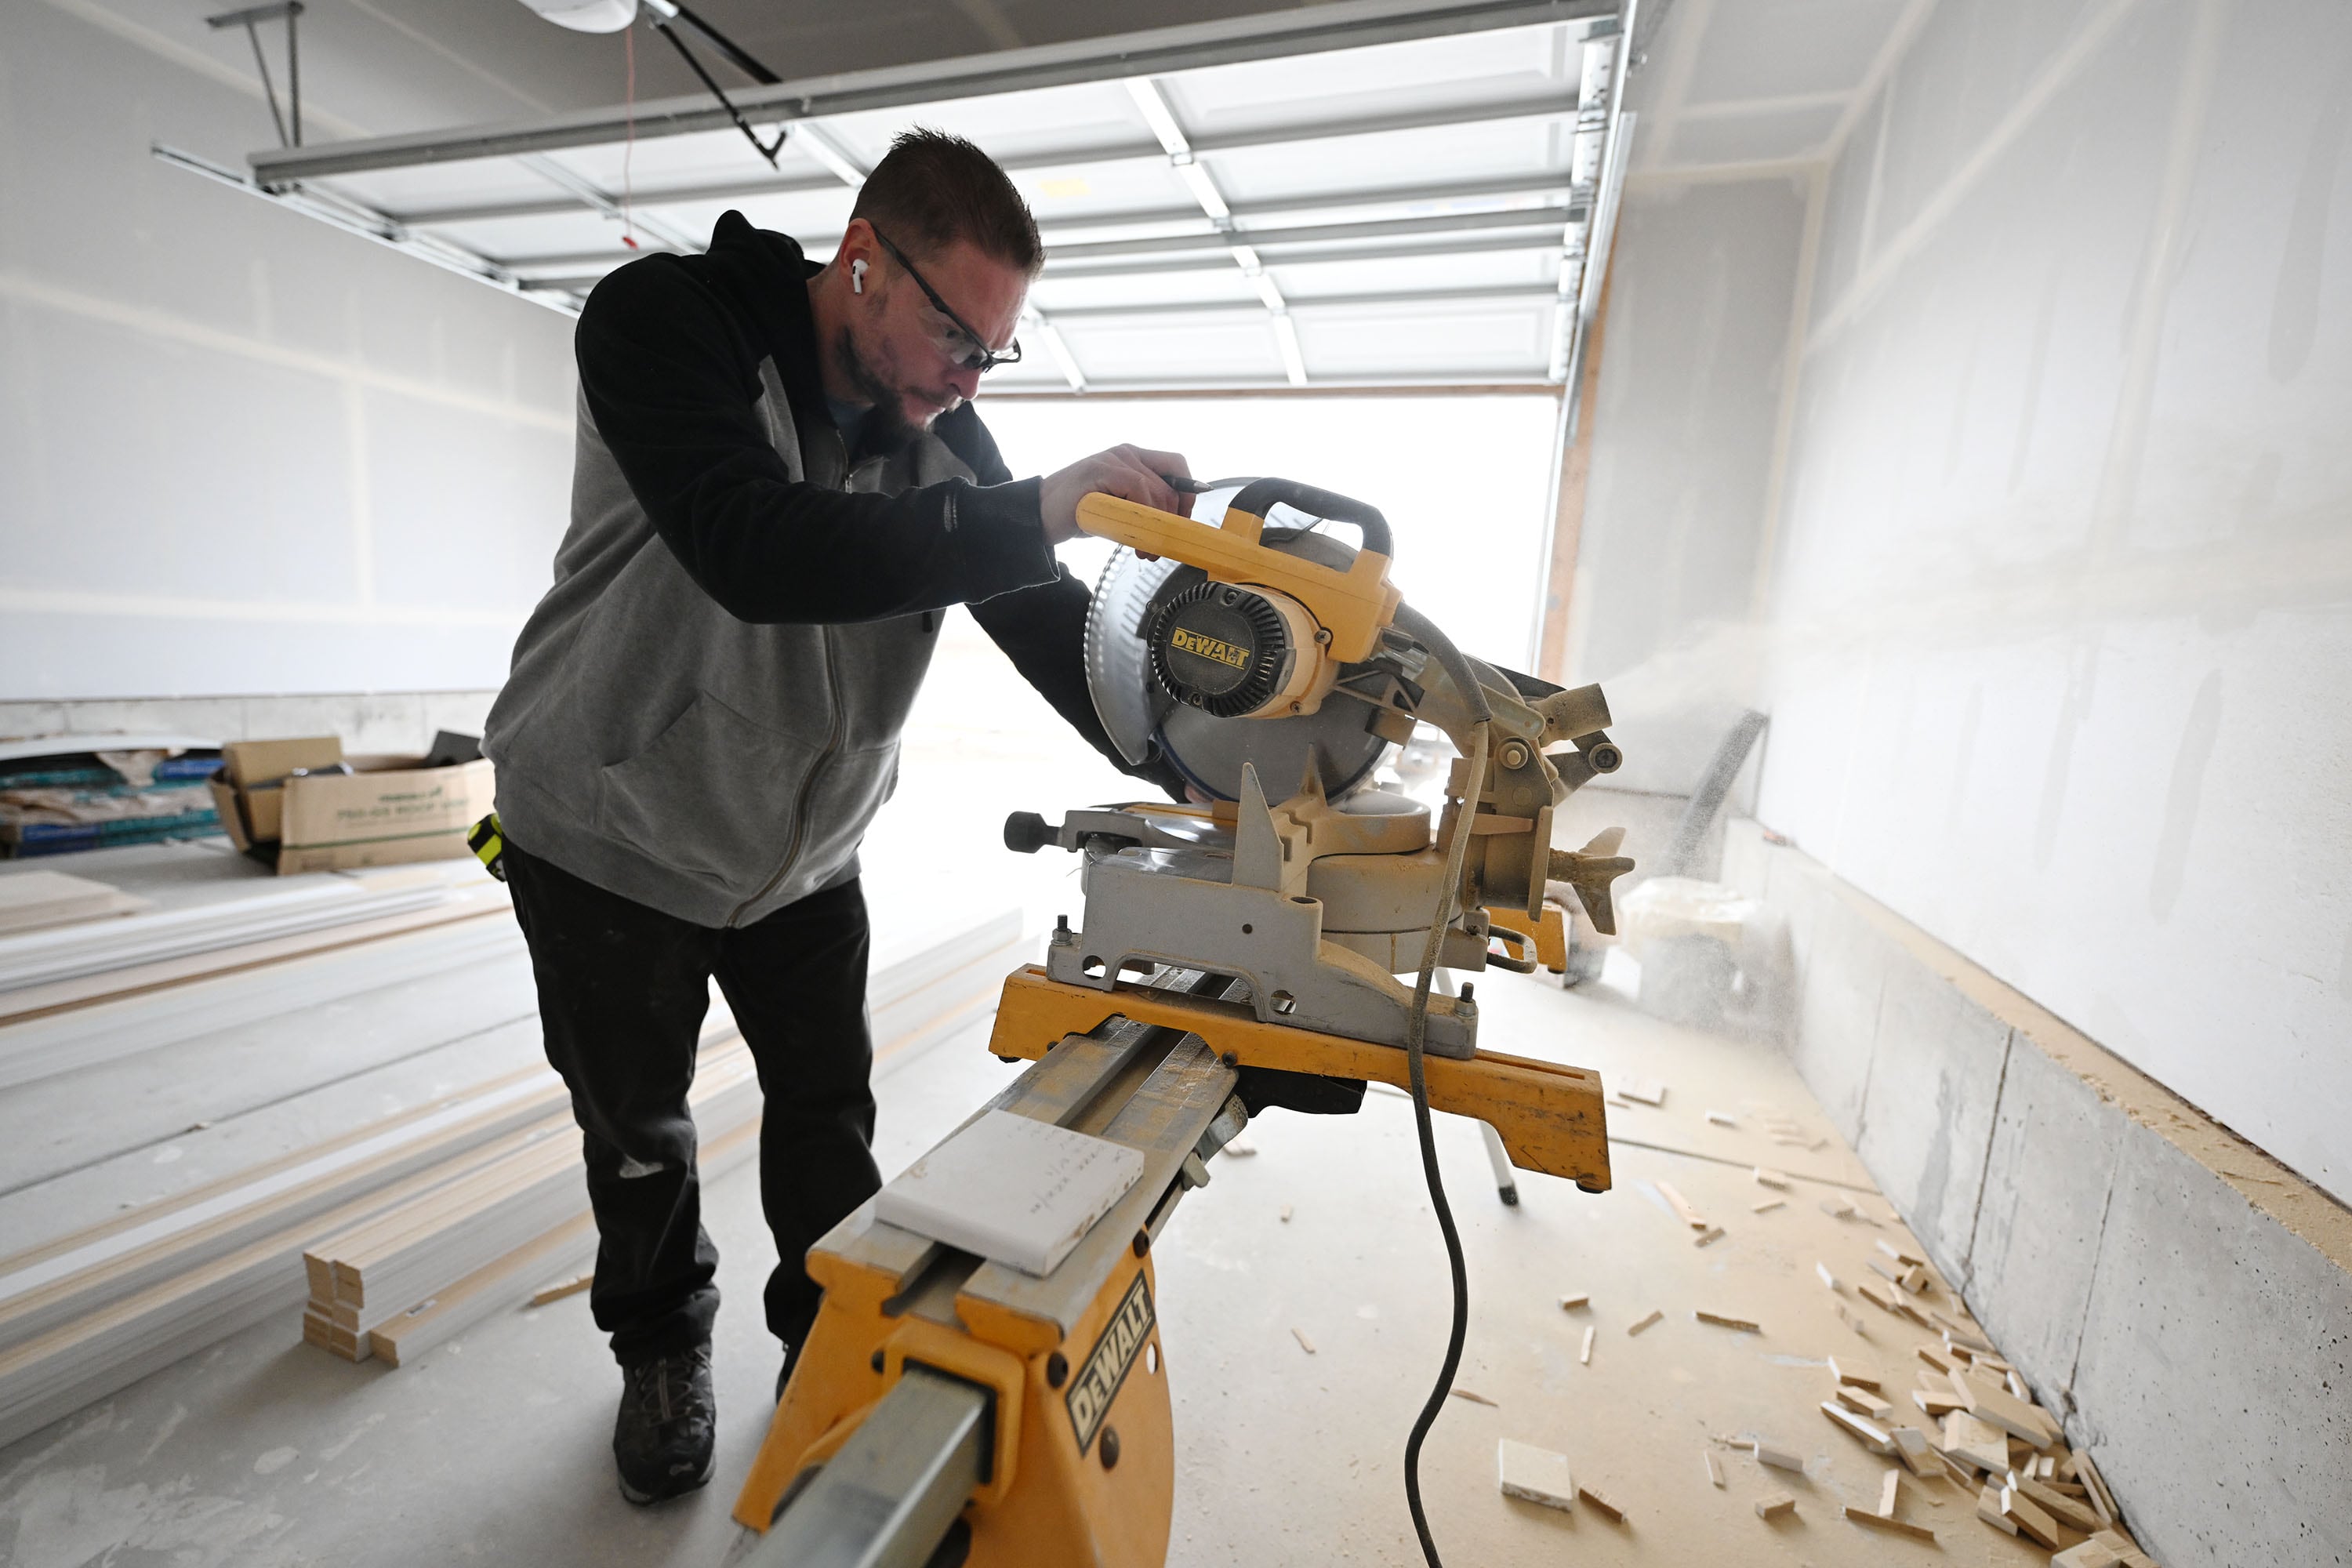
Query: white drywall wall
(1692, 354)
(240, 451)
(2059, 607)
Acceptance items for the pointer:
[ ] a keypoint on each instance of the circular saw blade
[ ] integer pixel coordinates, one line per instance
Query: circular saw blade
(1118, 667)
(1209, 750)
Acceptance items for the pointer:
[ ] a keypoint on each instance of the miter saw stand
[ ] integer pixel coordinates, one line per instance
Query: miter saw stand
(949, 1410)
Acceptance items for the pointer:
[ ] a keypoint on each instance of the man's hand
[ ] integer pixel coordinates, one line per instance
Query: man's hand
(1132, 473)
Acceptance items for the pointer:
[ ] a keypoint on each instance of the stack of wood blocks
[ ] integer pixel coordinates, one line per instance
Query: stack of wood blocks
(489, 1232)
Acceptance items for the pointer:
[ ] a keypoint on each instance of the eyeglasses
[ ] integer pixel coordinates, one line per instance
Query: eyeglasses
(953, 337)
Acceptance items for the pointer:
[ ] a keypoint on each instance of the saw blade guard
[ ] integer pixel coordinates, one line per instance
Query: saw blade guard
(1182, 664)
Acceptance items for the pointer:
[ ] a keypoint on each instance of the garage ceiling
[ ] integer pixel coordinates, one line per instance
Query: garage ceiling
(1377, 192)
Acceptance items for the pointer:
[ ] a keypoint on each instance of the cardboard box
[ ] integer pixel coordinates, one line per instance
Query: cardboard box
(386, 811)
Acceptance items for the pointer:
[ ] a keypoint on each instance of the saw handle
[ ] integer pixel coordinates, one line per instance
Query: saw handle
(1257, 496)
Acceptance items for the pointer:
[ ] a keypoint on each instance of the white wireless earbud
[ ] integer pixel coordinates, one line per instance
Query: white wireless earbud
(858, 278)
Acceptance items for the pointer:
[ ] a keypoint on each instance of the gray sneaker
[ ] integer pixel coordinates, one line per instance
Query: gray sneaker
(664, 1438)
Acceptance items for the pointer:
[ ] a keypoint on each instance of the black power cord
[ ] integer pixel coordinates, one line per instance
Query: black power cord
(1465, 679)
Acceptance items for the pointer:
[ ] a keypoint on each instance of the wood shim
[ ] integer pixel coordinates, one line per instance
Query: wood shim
(2031, 1521)
(1601, 1504)
(2101, 1499)
(1473, 1396)
(1872, 1436)
(1890, 1492)
(1863, 1402)
(1724, 1320)
(1766, 1177)
(1534, 1474)
(1861, 1374)
(1912, 1447)
(1681, 1206)
(1584, 1357)
(1714, 1467)
(1769, 1205)
(1975, 1442)
(1304, 1343)
(1712, 1234)
(2005, 1410)
(2055, 1503)
(557, 1293)
(1891, 1526)
(1648, 1090)
(1654, 1317)
(1575, 1303)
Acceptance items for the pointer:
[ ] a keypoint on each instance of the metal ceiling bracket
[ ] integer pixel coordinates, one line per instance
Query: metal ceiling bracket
(289, 125)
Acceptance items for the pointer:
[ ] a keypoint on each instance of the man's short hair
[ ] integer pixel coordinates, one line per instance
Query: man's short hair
(933, 189)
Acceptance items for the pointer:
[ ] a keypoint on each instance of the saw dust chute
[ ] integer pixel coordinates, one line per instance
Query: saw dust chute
(1245, 950)
(1259, 659)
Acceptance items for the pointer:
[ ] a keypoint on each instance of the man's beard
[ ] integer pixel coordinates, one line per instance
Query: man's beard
(887, 429)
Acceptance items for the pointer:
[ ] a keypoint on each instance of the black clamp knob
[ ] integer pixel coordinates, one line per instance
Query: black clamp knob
(1025, 833)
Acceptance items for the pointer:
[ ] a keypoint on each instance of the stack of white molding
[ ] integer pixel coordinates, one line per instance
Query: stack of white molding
(334, 898)
(87, 1313)
(71, 1038)
(925, 989)
(227, 936)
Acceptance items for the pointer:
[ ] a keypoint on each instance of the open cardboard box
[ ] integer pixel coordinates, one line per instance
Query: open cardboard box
(386, 811)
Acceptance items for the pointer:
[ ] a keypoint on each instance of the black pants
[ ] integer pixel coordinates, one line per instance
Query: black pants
(621, 994)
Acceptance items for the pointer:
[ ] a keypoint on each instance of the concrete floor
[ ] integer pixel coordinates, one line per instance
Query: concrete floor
(264, 1452)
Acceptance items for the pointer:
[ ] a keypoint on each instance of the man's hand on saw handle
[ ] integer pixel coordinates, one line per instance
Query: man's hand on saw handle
(1132, 473)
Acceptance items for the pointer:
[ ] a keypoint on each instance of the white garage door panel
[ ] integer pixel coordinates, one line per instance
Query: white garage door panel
(1346, 164)
(1432, 339)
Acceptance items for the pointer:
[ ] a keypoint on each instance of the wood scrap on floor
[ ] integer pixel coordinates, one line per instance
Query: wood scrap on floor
(1775, 1505)
(1648, 1320)
(1600, 1503)
(1726, 1321)
(1534, 1474)
(1681, 1206)
(1768, 1205)
(1883, 1522)
(1646, 1090)
(556, 1293)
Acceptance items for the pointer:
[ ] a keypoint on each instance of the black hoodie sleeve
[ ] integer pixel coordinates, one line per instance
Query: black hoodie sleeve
(671, 384)
(1042, 629)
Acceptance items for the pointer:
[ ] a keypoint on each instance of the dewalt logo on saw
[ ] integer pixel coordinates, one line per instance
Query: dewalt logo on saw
(1184, 641)
(1097, 1383)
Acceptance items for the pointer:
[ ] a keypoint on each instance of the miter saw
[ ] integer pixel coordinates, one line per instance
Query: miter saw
(947, 1409)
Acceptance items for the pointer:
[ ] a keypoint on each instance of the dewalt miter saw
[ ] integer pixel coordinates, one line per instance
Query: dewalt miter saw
(947, 1409)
